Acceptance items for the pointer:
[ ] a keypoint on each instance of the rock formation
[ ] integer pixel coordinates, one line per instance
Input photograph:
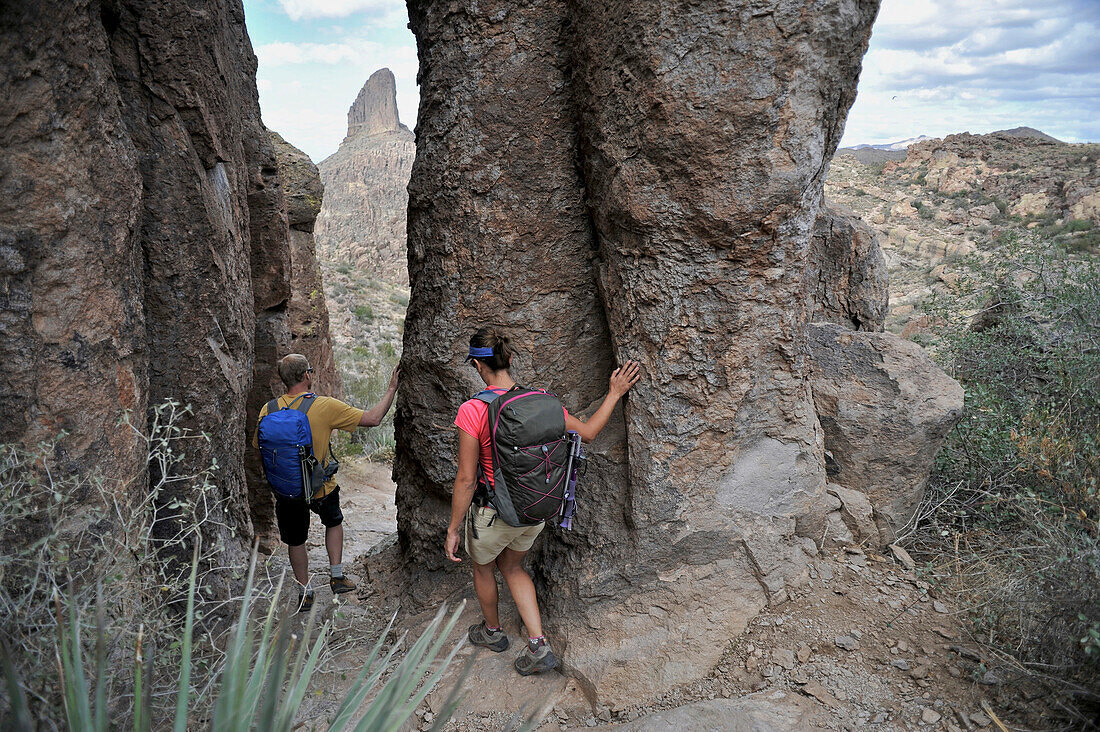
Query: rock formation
(291, 314)
(847, 278)
(992, 164)
(375, 108)
(952, 203)
(308, 312)
(885, 408)
(681, 239)
(362, 221)
(143, 239)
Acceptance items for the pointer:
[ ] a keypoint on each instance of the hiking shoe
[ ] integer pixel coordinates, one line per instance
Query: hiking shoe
(340, 585)
(305, 601)
(494, 640)
(536, 660)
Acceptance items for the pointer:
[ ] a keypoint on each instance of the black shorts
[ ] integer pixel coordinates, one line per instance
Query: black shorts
(293, 516)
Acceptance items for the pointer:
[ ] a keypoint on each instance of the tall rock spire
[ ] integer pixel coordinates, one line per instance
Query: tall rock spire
(375, 109)
(362, 220)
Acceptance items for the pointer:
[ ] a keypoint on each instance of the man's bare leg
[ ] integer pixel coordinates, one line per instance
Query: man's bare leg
(334, 543)
(299, 562)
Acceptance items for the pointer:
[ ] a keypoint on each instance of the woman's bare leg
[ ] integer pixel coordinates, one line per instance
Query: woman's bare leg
(485, 585)
(510, 564)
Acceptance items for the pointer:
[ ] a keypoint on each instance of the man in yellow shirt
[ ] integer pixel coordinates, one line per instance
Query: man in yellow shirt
(325, 415)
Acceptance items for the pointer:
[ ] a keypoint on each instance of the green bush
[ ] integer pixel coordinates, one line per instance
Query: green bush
(1017, 531)
(364, 313)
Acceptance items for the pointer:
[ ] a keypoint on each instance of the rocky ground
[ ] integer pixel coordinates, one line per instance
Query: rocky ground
(867, 644)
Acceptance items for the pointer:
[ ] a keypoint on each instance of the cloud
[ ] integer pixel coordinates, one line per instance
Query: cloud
(941, 66)
(284, 53)
(298, 9)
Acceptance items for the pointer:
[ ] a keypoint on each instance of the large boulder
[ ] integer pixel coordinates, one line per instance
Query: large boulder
(291, 313)
(681, 240)
(307, 310)
(885, 408)
(846, 276)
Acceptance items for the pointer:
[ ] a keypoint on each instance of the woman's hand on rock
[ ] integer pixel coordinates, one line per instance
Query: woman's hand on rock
(624, 377)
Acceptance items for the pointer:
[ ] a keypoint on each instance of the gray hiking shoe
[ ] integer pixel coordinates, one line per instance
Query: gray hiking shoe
(536, 660)
(494, 640)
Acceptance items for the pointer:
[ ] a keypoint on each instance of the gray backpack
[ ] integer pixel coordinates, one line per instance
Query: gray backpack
(534, 458)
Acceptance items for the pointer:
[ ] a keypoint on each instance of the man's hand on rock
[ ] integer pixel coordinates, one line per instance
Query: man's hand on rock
(623, 378)
(394, 378)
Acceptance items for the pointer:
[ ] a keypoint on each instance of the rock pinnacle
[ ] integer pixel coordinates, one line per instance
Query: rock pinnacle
(375, 109)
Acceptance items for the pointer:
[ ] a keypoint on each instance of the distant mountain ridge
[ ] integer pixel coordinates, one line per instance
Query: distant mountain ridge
(899, 145)
(870, 154)
(942, 201)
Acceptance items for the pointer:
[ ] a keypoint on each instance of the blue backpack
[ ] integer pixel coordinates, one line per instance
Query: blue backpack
(286, 447)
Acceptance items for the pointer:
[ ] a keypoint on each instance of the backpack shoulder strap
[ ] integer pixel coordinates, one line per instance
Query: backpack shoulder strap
(487, 395)
(306, 402)
(273, 406)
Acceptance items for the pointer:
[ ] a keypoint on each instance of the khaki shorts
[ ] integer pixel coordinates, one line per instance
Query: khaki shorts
(492, 540)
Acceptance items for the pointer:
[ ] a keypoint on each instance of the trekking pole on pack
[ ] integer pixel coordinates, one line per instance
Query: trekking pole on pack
(307, 472)
(569, 500)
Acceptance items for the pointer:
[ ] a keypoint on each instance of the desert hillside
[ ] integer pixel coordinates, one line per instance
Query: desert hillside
(947, 205)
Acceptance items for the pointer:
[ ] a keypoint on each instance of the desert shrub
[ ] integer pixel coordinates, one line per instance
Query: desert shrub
(68, 538)
(101, 632)
(365, 313)
(266, 673)
(1017, 531)
(925, 212)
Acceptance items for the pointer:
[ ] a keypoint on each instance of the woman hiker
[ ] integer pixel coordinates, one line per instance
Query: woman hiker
(494, 544)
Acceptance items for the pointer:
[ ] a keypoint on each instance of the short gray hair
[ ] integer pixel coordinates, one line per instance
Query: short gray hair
(292, 369)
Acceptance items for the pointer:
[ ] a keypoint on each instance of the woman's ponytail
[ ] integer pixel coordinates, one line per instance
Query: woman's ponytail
(490, 337)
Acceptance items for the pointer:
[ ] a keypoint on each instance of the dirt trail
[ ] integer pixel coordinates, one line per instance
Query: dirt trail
(866, 644)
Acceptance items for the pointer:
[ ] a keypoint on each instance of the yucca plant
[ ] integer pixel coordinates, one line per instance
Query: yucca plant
(266, 674)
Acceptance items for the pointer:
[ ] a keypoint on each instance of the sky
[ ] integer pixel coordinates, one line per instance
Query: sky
(934, 67)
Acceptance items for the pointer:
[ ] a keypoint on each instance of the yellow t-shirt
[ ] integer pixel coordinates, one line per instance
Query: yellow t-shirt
(326, 414)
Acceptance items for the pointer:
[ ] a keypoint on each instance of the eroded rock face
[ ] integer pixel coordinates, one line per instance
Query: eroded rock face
(885, 408)
(362, 221)
(308, 312)
(498, 234)
(291, 314)
(143, 238)
(701, 165)
(847, 276)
